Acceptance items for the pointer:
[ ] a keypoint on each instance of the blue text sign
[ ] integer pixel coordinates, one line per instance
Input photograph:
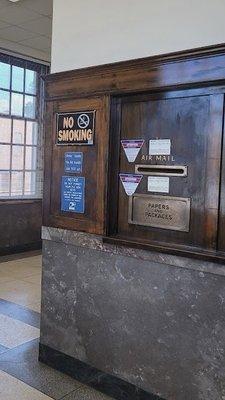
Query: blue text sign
(73, 194)
(73, 162)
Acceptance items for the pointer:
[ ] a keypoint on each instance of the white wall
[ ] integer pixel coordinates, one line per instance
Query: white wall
(92, 32)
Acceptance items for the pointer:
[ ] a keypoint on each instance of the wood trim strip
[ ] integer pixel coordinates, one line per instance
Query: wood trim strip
(198, 67)
(213, 50)
(212, 256)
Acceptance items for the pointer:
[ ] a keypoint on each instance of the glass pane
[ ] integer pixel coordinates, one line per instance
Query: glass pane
(17, 78)
(4, 75)
(31, 158)
(4, 156)
(29, 106)
(4, 102)
(31, 82)
(17, 183)
(4, 183)
(5, 130)
(17, 157)
(17, 104)
(18, 131)
(32, 133)
(30, 183)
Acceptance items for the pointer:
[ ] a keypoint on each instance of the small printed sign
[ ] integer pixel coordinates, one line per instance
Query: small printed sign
(132, 148)
(72, 194)
(160, 147)
(76, 128)
(160, 184)
(73, 162)
(130, 182)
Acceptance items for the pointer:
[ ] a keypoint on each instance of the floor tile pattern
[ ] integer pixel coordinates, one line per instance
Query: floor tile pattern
(11, 388)
(20, 313)
(86, 394)
(22, 376)
(13, 332)
(3, 349)
(20, 281)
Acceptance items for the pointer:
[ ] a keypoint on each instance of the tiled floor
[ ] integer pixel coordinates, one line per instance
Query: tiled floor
(20, 281)
(22, 377)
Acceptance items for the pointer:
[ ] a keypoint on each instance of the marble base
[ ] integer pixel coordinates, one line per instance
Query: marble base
(105, 383)
(156, 321)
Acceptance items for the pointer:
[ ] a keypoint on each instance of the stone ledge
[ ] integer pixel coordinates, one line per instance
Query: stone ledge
(94, 242)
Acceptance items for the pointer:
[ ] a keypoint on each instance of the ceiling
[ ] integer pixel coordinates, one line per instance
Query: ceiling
(26, 27)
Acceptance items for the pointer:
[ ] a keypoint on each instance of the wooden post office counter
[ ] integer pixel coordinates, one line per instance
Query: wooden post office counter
(133, 288)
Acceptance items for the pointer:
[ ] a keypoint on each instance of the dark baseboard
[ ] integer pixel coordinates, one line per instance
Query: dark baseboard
(105, 383)
(5, 251)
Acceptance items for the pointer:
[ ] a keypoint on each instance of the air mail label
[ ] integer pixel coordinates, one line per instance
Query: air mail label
(76, 128)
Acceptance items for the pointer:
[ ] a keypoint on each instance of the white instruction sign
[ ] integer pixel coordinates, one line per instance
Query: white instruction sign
(159, 184)
(160, 147)
(130, 182)
(132, 148)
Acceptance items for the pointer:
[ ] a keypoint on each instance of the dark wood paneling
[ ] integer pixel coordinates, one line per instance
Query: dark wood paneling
(193, 82)
(20, 225)
(221, 232)
(94, 168)
(191, 252)
(196, 67)
(194, 125)
(114, 159)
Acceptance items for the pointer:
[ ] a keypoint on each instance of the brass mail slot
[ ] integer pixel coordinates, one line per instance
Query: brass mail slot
(163, 212)
(161, 170)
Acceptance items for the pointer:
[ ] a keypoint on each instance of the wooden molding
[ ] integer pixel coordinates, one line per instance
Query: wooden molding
(197, 67)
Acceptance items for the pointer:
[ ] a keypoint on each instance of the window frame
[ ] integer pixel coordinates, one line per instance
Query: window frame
(41, 70)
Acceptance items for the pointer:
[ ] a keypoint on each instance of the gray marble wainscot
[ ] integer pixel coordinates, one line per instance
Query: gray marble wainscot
(154, 320)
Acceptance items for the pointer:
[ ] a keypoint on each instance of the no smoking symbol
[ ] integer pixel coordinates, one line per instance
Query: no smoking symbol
(83, 121)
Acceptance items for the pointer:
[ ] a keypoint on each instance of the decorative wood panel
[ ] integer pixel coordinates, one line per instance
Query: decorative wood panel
(194, 126)
(94, 168)
(20, 225)
(221, 232)
(196, 67)
(181, 94)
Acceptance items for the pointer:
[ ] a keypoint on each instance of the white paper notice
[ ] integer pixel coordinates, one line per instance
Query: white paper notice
(132, 148)
(159, 184)
(130, 182)
(159, 147)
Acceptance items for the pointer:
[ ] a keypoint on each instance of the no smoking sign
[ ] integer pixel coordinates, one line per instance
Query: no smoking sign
(76, 128)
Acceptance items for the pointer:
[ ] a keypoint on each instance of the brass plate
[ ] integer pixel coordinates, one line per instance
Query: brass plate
(163, 212)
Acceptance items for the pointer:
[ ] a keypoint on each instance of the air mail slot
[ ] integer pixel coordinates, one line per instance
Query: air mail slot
(161, 170)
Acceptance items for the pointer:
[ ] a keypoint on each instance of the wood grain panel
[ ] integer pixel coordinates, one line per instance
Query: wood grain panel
(180, 95)
(194, 125)
(94, 169)
(197, 67)
(221, 231)
(20, 225)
